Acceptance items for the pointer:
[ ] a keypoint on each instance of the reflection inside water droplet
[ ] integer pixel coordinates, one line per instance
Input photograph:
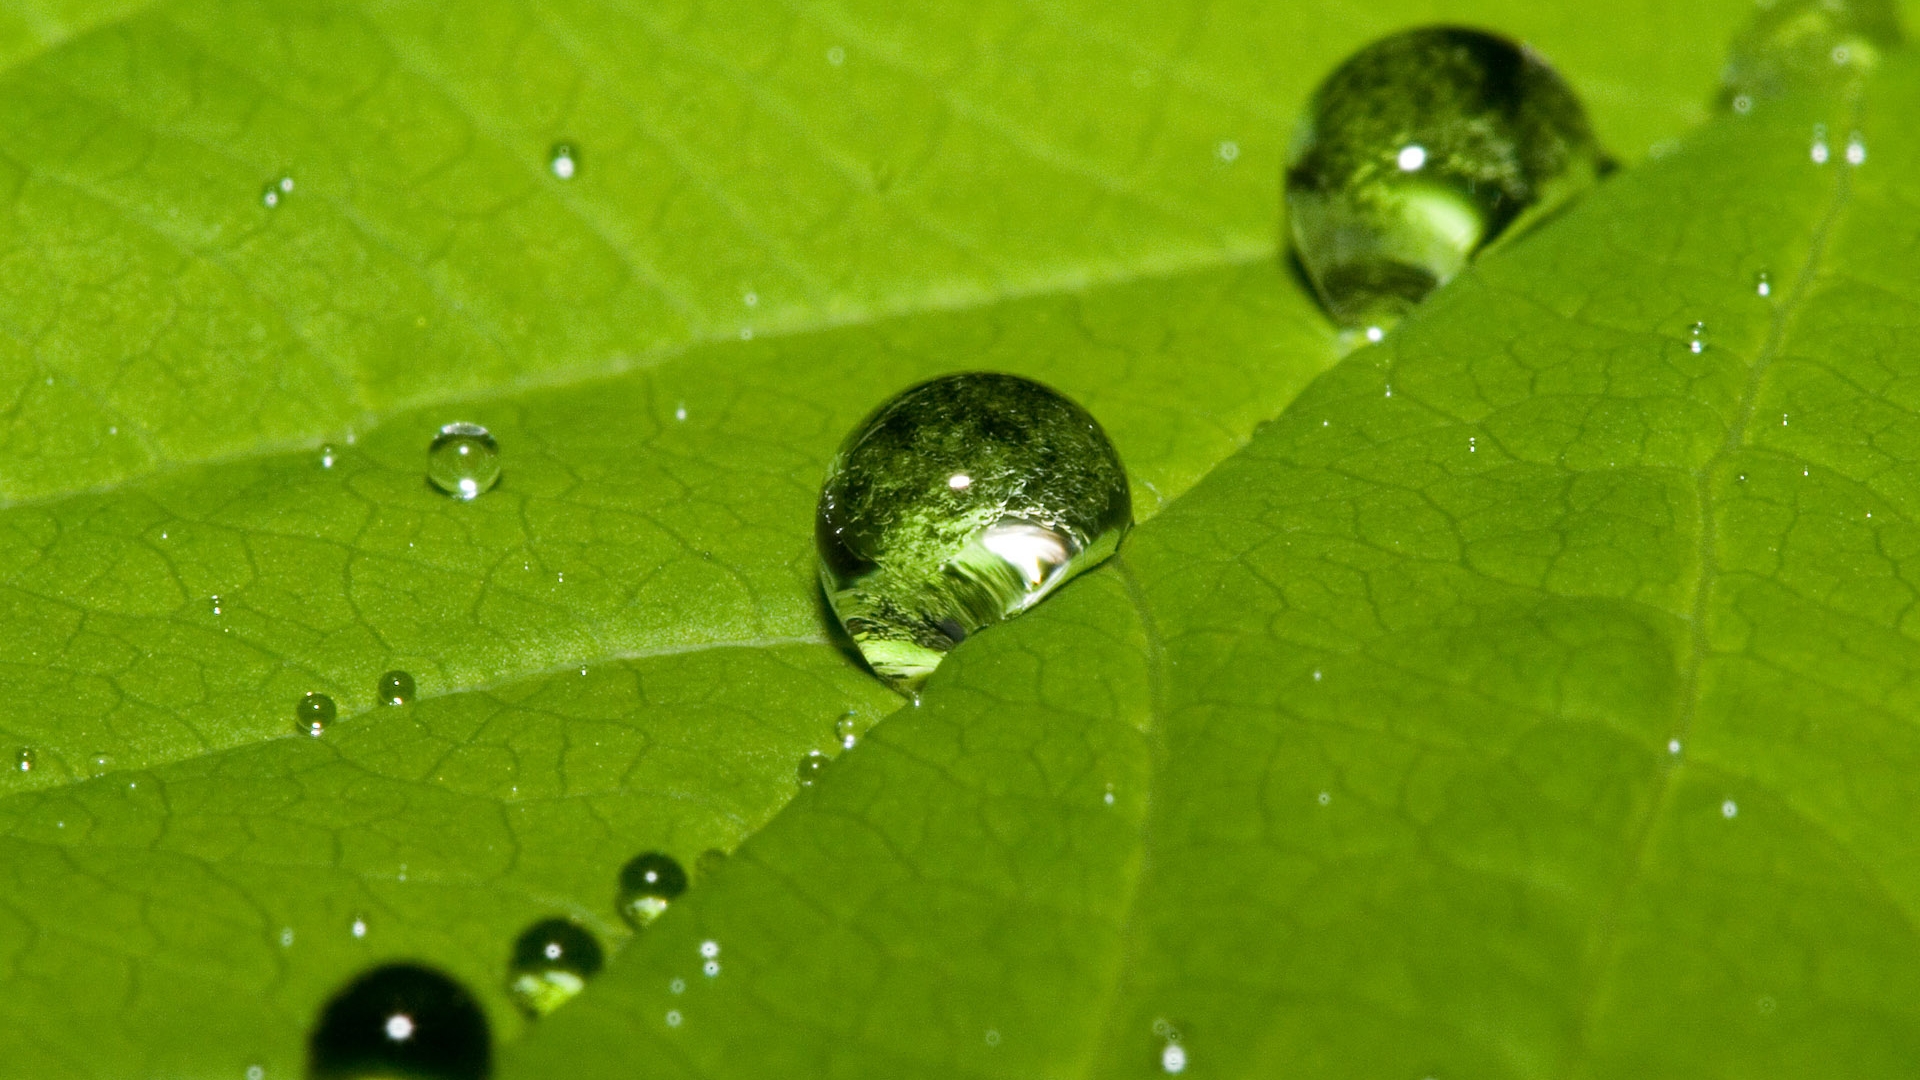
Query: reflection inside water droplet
(648, 883)
(313, 713)
(394, 688)
(811, 767)
(552, 961)
(563, 162)
(401, 1020)
(463, 461)
(25, 759)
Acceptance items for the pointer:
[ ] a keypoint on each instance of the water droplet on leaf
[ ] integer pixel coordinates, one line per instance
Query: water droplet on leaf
(313, 713)
(552, 961)
(400, 1020)
(912, 563)
(648, 883)
(25, 759)
(562, 161)
(463, 461)
(1697, 338)
(811, 767)
(1763, 283)
(847, 730)
(1418, 150)
(394, 688)
(1807, 44)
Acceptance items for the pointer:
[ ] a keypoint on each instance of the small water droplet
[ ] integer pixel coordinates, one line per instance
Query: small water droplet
(400, 1020)
(463, 461)
(1376, 334)
(1673, 746)
(358, 928)
(1696, 338)
(836, 55)
(711, 968)
(216, 604)
(709, 948)
(562, 161)
(847, 730)
(313, 713)
(1472, 445)
(1729, 808)
(270, 196)
(1173, 1058)
(326, 456)
(99, 765)
(648, 883)
(673, 1018)
(256, 1072)
(552, 961)
(25, 759)
(993, 1037)
(1108, 796)
(1742, 104)
(677, 986)
(751, 299)
(680, 412)
(913, 564)
(1325, 798)
(1819, 151)
(1856, 149)
(1763, 283)
(394, 688)
(1316, 675)
(1415, 152)
(811, 767)
(1228, 151)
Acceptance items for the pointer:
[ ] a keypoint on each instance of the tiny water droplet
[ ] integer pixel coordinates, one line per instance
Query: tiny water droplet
(1819, 152)
(1173, 1058)
(463, 461)
(1228, 151)
(326, 456)
(1742, 104)
(711, 968)
(1791, 45)
(313, 713)
(216, 604)
(673, 1018)
(1376, 334)
(1325, 798)
(836, 55)
(400, 1020)
(751, 299)
(1108, 796)
(562, 161)
(358, 928)
(1763, 283)
(709, 948)
(1415, 152)
(680, 412)
(99, 764)
(270, 196)
(811, 767)
(1729, 808)
(1856, 149)
(648, 883)
(286, 184)
(394, 688)
(256, 1072)
(25, 759)
(552, 961)
(1696, 338)
(286, 937)
(1673, 746)
(913, 564)
(847, 730)
(677, 986)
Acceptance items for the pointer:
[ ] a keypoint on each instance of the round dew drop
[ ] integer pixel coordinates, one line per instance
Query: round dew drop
(847, 730)
(463, 461)
(648, 883)
(313, 713)
(959, 503)
(25, 759)
(394, 688)
(1416, 152)
(563, 162)
(552, 961)
(400, 1020)
(811, 767)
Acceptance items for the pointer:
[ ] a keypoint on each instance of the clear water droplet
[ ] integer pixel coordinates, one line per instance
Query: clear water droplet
(709, 948)
(463, 461)
(358, 927)
(286, 937)
(313, 713)
(1856, 149)
(847, 730)
(1763, 283)
(677, 986)
(648, 883)
(1673, 746)
(673, 1018)
(326, 456)
(836, 55)
(256, 1072)
(286, 185)
(394, 688)
(400, 1020)
(1817, 45)
(562, 161)
(26, 759)
(1173, 1059)
(1418, 150)
(216, 604)
(811, 767)
(1696, 338)
(912, 564)
(1819, 151)
(1325, 798)
(552, 961)
(1228, 151)
(710, 969)
(270, 196)
(99, 765)
(1729, 808)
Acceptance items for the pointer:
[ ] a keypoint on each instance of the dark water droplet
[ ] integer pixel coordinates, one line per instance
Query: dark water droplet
(811, 767)
(1815, 45)
(958, 503)
(648, 883)
(1418, 150)
(313, 713)
(552, 961)
(395, 688)
(463, 461)
(401, 1020)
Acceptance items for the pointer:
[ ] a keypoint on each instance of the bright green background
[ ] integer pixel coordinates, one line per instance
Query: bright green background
(1563, 540)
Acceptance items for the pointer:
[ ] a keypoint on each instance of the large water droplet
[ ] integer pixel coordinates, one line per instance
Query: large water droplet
(395, 688)
(961, 502)
(463, 461)
(1419, 149)
(552, 961)
(648, 883)
(313, 713)
(1807, 44)
(400, 1020)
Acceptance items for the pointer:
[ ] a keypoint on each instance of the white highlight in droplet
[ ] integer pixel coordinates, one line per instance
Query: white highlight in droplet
(1673, 746)
(1856, 149)
(1228, 151)
(1819, 152)
(959, 481)
(1412, 158)
(1729, 808)
(1325, 797)
(711, 967)
(1375, 334)
(836, 56)
(1173, 1058)
(359, 928)
(709, 949)
(399, 1027)
(673, 1017)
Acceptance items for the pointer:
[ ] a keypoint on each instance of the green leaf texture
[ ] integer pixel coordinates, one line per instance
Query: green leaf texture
(211, 503)
(1532, 699)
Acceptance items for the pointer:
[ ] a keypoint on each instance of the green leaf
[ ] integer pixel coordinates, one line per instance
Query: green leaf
(1532, 699)
(780, 217)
